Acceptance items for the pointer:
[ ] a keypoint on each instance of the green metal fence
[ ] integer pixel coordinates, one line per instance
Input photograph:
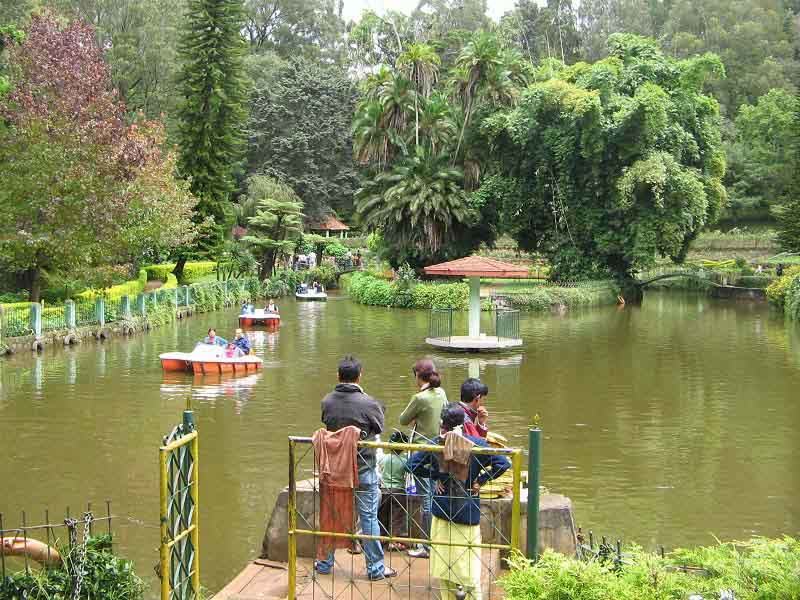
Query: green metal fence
(506, 324)
(440, 325)
(35, 319)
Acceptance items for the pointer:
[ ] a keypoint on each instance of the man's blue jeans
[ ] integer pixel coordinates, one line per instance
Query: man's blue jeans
(368, 499)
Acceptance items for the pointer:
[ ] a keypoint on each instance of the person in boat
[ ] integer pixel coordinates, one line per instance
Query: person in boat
(213, 339)
(271, 307)
(457, 505)
(241, 342)
(231, 351)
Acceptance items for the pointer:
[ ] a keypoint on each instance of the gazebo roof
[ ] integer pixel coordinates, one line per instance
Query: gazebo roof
(478, 266)
(329, 223)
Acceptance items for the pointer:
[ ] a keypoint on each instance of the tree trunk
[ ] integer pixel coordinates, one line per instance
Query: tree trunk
(35, 284)
(178, 270)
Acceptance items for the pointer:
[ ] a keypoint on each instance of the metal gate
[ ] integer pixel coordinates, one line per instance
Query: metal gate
(180, 552)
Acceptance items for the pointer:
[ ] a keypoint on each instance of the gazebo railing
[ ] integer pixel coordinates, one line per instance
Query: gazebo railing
(440, 325)
(506, 324)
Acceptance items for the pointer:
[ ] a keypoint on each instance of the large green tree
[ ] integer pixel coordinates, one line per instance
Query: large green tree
(299, 132)
(761, 156)
(79, 188)
(277, 224)
(212, 114)
(607, 166)
(788, 213)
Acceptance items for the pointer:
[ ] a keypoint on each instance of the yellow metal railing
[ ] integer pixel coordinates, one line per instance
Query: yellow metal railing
(179, 548)
(515, 456)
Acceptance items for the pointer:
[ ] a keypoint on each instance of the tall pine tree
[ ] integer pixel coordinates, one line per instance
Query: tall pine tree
(212, 114)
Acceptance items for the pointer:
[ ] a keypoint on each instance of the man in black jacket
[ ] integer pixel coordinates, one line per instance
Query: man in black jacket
(348, 405)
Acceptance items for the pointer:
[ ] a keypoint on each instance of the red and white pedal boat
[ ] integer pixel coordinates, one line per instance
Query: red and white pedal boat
(259, 317)
(206, 359)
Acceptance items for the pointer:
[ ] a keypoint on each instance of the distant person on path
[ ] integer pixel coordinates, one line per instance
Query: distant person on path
(473, 392)
(424, 411)
(213, 339)
(779, 270)
(348, 405)
(242, 342)
(457, 507)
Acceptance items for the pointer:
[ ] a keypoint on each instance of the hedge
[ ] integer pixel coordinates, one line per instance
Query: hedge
(367, 288)
(542, 297)
(192, 271)
(115, 292)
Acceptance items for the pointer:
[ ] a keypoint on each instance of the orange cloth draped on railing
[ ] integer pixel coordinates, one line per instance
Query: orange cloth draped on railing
(335, 457)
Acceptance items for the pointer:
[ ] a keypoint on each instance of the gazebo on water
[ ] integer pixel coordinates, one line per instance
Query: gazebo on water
(506, 334)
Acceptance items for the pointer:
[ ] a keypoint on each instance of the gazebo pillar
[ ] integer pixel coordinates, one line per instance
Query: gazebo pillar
(474, 307)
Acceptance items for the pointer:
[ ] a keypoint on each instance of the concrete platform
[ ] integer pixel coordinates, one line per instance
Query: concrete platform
(465, 343)
(263, 580)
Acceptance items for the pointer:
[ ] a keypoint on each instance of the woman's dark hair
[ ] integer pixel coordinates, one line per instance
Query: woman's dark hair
(426, 371)
(452, 416)
(210, 329)
(349, 369)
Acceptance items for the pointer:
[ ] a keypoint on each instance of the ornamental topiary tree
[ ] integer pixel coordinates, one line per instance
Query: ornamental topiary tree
(603, 167)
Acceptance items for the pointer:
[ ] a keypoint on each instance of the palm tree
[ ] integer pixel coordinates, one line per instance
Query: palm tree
(437, 124)
(484, 71)
(419, 203)
(420, 64)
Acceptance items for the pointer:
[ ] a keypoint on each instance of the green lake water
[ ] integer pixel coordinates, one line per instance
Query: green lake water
(667, 424)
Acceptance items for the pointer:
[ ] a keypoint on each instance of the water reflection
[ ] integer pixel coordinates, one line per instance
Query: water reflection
(678, 403)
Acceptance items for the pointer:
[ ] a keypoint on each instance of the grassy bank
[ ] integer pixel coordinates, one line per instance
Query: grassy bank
(760, 569)
(548, 297)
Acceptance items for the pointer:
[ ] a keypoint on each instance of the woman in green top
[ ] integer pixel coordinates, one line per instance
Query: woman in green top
(424, 411)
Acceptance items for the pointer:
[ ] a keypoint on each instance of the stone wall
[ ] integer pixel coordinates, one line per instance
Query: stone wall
(556, 522)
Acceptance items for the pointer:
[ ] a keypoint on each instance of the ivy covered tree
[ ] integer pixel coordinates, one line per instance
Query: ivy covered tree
(299, 130)
(80, 189)
(277, 224)
(212, 114)
(606, 166)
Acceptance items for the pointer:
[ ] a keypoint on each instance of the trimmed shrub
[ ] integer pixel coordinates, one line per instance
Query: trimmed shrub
(366, 288)
(129, 288)
(542, 298)
(195, 271)
(159, 272)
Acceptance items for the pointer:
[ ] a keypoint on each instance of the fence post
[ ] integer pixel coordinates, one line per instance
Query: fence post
(534, 465)
(188, 296)
(100, 311)
(141, 305)
(36, 319)
(176, 299)
(125, 303)
(69, 314)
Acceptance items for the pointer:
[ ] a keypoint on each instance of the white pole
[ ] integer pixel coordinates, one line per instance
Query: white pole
(474, 307)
